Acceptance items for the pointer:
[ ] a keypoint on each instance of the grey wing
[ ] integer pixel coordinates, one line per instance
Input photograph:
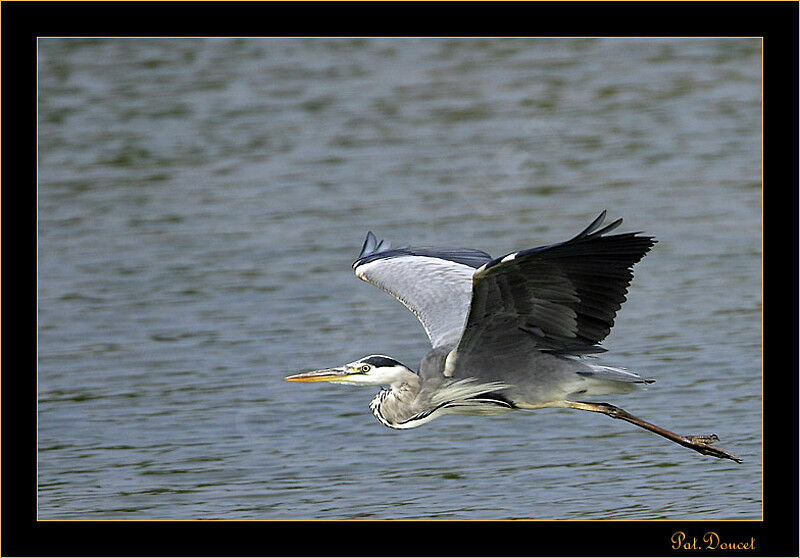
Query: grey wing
(435, 284)
(560, 299)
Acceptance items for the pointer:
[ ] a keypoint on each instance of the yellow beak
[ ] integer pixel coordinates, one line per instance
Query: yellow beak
(324, 375)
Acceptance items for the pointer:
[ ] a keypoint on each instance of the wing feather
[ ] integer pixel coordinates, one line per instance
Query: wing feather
(435, 284)
(564, 297)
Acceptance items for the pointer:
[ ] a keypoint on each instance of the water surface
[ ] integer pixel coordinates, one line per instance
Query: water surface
(200, 204)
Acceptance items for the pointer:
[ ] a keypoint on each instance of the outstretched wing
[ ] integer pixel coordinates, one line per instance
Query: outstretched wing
(434, 283)
(561, 298)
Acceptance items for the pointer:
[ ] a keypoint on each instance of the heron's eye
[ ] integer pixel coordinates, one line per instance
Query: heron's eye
(365, 368)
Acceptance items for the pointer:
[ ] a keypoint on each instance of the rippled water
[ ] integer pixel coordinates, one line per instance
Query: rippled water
(200, 204)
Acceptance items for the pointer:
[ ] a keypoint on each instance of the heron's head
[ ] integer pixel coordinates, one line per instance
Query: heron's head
(374, 370)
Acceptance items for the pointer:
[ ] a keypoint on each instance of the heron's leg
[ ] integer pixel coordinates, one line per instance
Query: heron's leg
(700, 444)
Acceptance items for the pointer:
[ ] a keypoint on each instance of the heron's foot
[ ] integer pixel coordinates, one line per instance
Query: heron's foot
(710, 439)
(703, 444)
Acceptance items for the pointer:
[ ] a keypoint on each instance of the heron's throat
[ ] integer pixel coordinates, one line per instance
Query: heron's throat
(412, 404)
(393, 407)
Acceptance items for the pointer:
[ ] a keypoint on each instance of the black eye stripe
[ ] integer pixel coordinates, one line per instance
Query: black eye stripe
(380, 362)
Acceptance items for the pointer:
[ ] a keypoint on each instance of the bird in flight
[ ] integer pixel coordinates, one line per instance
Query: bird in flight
(507, 333)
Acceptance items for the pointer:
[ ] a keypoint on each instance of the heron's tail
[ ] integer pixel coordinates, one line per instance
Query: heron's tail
(603, 380)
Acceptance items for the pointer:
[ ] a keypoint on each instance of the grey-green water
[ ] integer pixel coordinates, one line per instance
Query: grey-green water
(200, 204)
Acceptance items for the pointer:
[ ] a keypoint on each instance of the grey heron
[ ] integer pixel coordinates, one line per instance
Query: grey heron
(507, 333)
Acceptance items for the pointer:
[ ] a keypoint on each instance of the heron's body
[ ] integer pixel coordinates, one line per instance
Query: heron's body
(508, 333)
